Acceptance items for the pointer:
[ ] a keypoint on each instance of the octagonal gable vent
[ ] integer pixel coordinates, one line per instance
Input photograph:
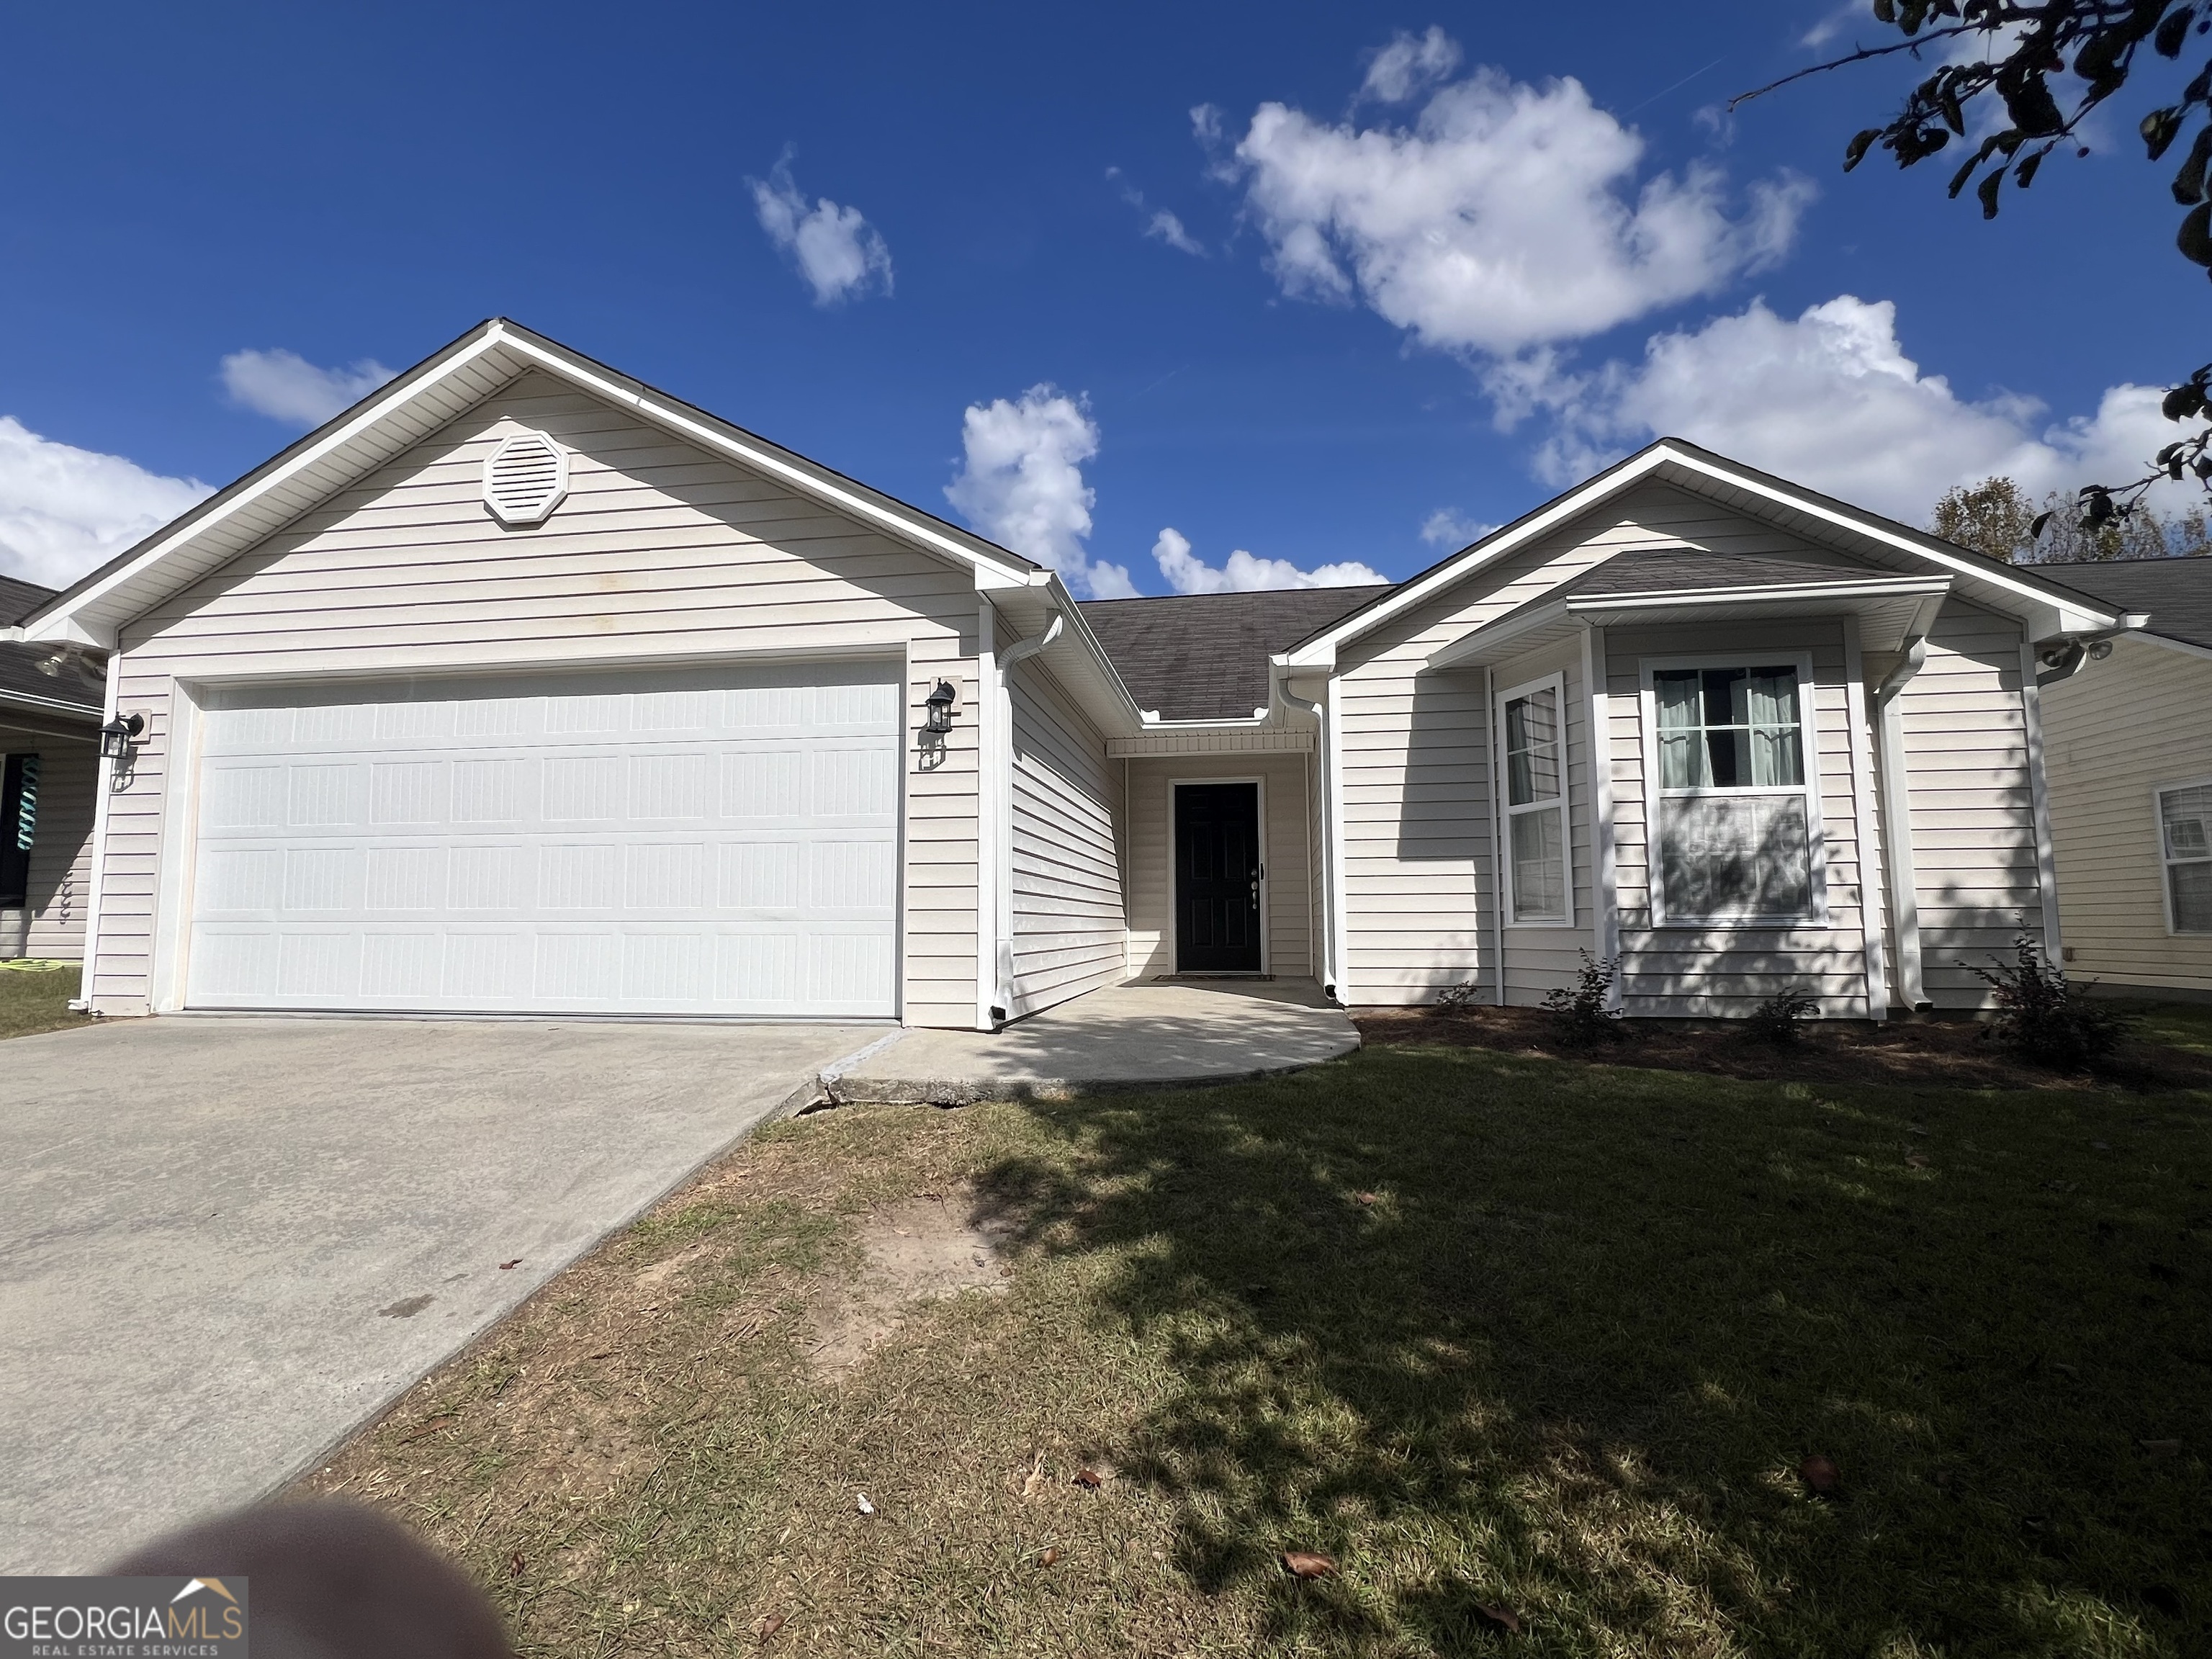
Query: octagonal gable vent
(524, 478)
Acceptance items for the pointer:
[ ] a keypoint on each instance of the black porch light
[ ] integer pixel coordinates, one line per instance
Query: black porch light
(939, 701)
(116, 736)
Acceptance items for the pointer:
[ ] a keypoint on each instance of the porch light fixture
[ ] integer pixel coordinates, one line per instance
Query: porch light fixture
(940, 703)
(116, 737)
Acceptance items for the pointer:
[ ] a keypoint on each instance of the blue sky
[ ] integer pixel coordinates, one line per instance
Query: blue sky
(1401, 282)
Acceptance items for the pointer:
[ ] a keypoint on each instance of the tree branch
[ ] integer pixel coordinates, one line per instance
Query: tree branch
(1859, 56)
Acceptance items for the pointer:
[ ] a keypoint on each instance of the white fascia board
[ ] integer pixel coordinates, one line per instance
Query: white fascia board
(810, 480)
(48, 705)
(2028, 595)
(1503, 631)
(1601, 604)
(64, 625)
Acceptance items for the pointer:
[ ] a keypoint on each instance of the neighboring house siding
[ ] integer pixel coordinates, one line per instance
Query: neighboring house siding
(2114, 734)
(1149, 837)
(661, 552)
(1973, 823)
(1068, 925)
(53, 923)
(1691, 970)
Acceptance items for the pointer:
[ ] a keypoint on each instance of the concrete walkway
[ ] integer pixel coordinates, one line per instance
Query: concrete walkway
(1150, 1033)
(226, 1242)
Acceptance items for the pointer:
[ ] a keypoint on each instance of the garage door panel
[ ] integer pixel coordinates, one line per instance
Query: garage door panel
(704, 841)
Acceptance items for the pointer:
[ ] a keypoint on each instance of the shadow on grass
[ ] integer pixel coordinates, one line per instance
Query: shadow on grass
(1499, 1333)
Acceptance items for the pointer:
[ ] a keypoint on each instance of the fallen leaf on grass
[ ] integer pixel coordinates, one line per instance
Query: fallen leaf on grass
(515, 1565)
(1916, 1160)
(861, 1499)
(1094, 1476)
(1371, 1198)
(516, 1262)
(1049, 1558)
(767, 1627)
(1821, 1477)
(2161, 1448)
(1504, 1619)
(1033, 1483)
(1308, 1564)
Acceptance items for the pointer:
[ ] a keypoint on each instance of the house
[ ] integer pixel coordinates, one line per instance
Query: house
(524, 687)
(50, 714)
(2129, 741)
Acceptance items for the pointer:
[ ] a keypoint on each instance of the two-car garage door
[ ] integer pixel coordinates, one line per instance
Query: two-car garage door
(699, 841)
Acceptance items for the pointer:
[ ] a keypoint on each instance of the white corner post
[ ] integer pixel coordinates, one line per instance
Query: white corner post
(1002, 700)
(1325, 968)
(1498, 874)
(1863, 816)
(2046, 857)
(1332, 776)
(1897, 815)
(104, 785)
(1604, 891)
(990, 784)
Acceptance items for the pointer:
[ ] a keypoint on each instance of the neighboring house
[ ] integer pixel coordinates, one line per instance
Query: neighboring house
(2129, 741)
(50, 711)
(522, 687)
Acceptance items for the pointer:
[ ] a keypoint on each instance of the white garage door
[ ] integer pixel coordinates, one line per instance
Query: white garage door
(701, 842)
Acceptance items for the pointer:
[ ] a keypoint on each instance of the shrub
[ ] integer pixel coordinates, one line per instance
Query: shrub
(1459, 998)
(1584, 1013)
(1776, 1019)
(2043, 1019)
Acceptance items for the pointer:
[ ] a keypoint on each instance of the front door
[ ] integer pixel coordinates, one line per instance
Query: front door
(1217, 850)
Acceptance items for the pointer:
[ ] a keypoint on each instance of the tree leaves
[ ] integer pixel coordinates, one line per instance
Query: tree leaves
(1309, 1565)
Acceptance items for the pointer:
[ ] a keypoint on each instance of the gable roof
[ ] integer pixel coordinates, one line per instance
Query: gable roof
(410, 408)
(1204, 656)
(2049, 607)
(2178, 593)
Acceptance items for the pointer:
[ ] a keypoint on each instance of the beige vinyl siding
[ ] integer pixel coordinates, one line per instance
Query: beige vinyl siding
(2113, 735)
(1538, 955)
(1692, 971)
(1068, 926)
(1149, 837)
(660, 552)
(1973, 817)
(52, 923)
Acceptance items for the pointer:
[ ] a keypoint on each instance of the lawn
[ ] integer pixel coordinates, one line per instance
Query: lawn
(36, 998)
(1517, 1341)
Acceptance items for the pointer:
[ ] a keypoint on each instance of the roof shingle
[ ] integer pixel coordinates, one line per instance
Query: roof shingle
(2178, 593)
(1204, 656)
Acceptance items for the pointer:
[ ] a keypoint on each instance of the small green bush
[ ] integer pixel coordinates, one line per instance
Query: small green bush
(1777, 1020)
(2043, 1019)
(1584, 1011)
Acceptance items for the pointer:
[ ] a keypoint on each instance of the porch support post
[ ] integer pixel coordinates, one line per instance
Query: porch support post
(104, 784)
(1332, 774)
(1897, 816)
(1862, 817)
(2046, 859)
(1605, 899)
(1496, 748)
(990, 768)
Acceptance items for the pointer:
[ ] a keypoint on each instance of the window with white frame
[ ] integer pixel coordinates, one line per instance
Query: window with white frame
(2185, 824)
(1536, 803)
(1738, 827)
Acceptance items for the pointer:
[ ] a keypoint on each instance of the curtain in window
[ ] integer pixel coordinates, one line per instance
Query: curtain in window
(1770, 697)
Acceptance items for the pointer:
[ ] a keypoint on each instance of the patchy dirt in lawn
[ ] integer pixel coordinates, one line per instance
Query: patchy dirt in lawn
(1939, 1053)
(925, 1249)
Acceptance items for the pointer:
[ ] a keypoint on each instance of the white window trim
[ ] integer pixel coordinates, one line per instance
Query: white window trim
(1555, 682)
(2158, 794)
(1816, 841)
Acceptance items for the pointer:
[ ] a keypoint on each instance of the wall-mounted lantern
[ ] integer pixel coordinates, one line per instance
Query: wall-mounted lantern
(940, 703)
(117, 735)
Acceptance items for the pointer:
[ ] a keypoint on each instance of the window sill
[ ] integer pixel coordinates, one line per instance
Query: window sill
(1743, 924)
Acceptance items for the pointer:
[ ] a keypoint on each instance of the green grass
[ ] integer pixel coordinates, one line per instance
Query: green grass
(2178, 1025)
(1491, 1331)
(35, 999)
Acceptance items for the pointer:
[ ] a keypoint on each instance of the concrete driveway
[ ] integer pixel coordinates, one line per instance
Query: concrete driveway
(224, 1243)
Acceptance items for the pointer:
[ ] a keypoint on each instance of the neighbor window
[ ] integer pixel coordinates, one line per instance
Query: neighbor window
(2186, 829)
(19, 823)
(1535, 810)
(1736, 822)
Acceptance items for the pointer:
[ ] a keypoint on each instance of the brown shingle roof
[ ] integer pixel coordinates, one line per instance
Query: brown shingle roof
(2178, 593)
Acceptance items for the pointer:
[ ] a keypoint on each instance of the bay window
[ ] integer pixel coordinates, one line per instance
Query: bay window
(2184, 823)
(1539, 887)
(1737, 831)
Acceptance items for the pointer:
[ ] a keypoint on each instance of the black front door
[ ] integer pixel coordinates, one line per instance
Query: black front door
(1217, 850)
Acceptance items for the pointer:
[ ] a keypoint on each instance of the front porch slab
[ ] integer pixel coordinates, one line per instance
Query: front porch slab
(1150, 1033)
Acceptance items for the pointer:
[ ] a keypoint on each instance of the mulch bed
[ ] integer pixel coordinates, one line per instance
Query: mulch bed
(1949, 1053)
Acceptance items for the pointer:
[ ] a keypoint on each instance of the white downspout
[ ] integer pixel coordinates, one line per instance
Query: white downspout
(1897, 818)
(1002, 942)
(1326, 964)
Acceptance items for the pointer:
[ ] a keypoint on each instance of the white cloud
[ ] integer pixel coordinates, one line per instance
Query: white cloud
(1243, 574)
(1505, 217)
(1409, 65)
(285, 387)
(65, 510)
(1165, 226)
(1448, 527)
(836, 249)
(1832, 24)
(1021, 483)
(1830, 399)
